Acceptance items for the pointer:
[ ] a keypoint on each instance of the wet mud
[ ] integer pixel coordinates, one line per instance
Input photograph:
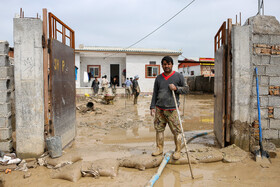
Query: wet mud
(123, 130)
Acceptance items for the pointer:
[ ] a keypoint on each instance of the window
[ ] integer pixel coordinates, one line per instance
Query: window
(192, 72)
(152, 62)
(94, 70)
(152, 71)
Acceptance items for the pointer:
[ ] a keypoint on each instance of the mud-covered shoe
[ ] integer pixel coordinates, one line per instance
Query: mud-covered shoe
(176, 155)
(157, 153)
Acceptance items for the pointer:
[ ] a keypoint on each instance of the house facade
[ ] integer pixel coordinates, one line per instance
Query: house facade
(197, 67)
(121, 63)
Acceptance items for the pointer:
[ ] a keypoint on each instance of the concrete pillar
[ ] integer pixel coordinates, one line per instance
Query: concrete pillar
(29, 98)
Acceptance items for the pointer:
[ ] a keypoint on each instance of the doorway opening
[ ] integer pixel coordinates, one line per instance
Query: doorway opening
(115, 72)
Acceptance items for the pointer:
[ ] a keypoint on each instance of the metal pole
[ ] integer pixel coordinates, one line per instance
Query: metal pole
(259, 7)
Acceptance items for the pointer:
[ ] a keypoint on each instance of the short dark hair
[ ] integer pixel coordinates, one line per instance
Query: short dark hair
(167, 59)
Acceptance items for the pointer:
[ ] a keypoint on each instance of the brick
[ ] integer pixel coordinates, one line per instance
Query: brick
(274, 81)
(275, 124)
(5, 97)
(261, 70)
(263, 80)
(5, 122)
(5, 109)
(5, 84)
(4, 48)
(6, 72)
(274, 101)
(273, 70)
(4, 60)
(277, 113)
(266, 51)
(5, 133)
(6, 146)
(263, 46)
(264, 113)
(270, 134)
(274, 60)
(274, 39)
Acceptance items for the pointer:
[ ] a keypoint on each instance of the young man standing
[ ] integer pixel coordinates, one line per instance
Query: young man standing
(135, 88)
(163, 105)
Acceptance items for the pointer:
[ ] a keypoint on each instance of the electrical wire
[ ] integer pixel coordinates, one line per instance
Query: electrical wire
(156, 28)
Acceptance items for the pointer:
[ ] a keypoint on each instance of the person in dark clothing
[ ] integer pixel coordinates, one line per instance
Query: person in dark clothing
(114, 84)
(163, 105)
(95, 86)
(135, 88)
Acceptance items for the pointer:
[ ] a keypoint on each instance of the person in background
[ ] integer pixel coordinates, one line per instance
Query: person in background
(114, 84)
(135, 88)
(128, 84)
(164, 108)
(104, 84)
(95, 86)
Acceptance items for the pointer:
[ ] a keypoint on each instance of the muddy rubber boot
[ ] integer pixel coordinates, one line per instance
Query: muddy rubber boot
(159, 141)
(178, 142)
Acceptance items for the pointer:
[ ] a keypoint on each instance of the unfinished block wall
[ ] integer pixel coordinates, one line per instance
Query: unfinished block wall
(6, 91)
(257, 44)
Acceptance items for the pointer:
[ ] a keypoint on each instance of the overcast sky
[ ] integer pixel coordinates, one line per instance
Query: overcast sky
(123, 22)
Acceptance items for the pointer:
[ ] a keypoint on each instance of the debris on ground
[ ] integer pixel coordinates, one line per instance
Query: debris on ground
(141, 162)
(26, 175)
(102, 167)
(270, 148)
(88, 107)
(207, 155)
(70, 172)
(8, 162)
(233, 153)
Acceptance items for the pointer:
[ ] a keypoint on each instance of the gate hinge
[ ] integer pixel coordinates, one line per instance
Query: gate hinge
(49, 46)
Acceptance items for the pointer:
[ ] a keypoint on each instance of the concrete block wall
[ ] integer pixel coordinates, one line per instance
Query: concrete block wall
(262, 51)
(6, 90)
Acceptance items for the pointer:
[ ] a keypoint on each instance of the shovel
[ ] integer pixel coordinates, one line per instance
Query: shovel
(262, 156)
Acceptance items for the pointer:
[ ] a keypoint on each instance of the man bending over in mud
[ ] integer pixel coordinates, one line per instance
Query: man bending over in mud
(163, 105)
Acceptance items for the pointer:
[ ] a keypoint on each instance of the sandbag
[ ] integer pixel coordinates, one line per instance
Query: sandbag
(70, 172)
(141, 162)
(62, 161)
(106, 167)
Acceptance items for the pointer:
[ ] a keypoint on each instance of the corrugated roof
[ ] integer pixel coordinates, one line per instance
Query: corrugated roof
(129, 50)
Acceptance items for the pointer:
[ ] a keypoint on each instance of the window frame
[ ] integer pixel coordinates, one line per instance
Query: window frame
(146, 70)
(94, 66)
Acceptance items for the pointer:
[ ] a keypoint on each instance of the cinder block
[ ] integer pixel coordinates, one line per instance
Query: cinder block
(261, 39)
(275, 60)
(6, 122)
(5, 109)
(263, 102)
(275, 124)
(277, 113)
(260, 60)
(274, 81)
(6, 72)
(263, 90)
(5, 84)
(263, 113)
(5, 96)
(6, 146)
(4, 48)
(4, 60)
(273, 70)
(5, 133)
(261, 70)
(274, 101)
(270, 133)
(274, 39)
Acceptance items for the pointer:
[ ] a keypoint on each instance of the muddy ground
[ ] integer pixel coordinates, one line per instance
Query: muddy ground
(122, 129)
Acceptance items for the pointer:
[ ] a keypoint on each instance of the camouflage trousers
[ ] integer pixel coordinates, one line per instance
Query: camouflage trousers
(167, 116)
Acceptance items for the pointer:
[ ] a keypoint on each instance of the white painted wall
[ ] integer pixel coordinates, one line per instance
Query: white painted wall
(188, 70)
(97, 59)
